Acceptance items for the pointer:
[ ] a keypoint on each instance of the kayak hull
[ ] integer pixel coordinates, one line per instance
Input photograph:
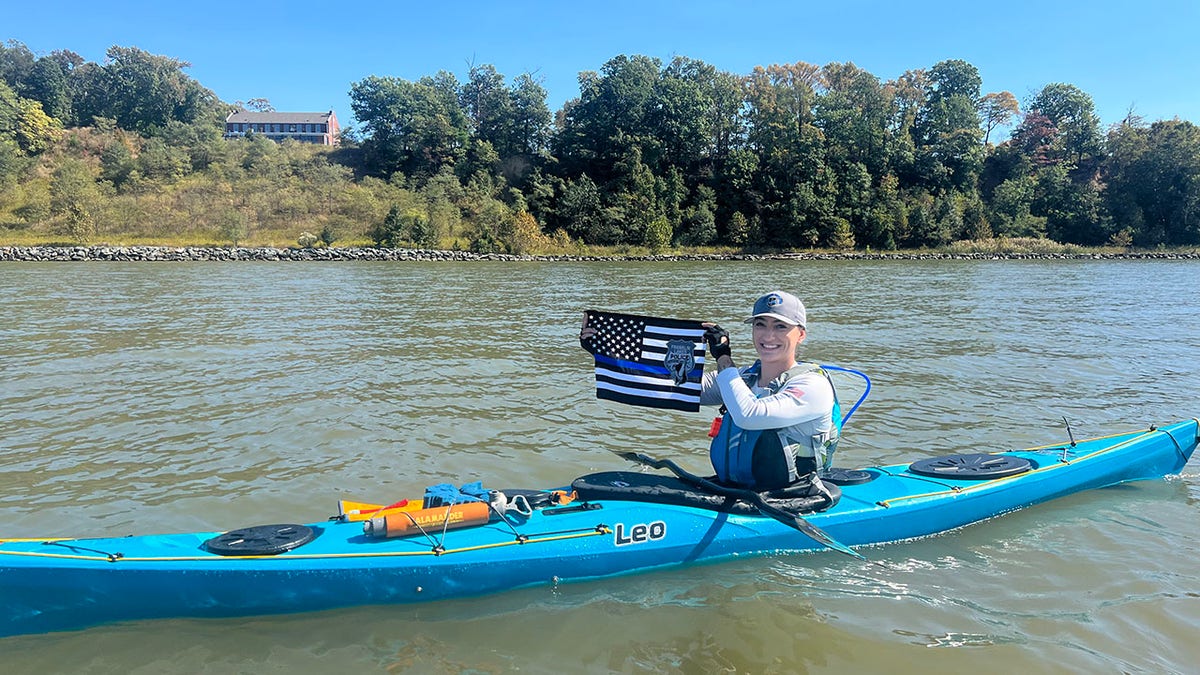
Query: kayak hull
(48, 584)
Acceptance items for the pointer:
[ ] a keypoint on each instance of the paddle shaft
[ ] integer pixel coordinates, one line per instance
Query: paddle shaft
(786, 517)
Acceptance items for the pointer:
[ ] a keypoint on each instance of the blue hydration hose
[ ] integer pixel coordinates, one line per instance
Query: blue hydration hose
(862, 398)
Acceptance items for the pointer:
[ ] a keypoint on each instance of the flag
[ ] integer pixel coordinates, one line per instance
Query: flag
(647, 361)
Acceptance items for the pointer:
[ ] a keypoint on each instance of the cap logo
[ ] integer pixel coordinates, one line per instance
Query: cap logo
(773, 300)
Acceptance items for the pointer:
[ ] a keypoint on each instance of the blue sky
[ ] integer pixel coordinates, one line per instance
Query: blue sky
(304, 55)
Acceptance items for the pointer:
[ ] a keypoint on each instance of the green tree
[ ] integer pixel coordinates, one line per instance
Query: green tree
(853, 114)
(331, 231)
(329, 179)
(580, 208)
(16, 66)
(531, 119)
(1072, 113)
(10, 114)
(144, 91)
(632, 196)
(949, 153)
(442, 195)
(25, 124)
(738, 186)
(485, 100)
(75, 197)
(1153, 181)
(159, 162)
(415, 128)
(841, 237)
(116, 163)
(798, 192)
(737, 232)
(611, 117)
(1011, 209)
(658, 234)
(233, 225)
(1072, 207)
(36, 130)
(390, 232)
(48, 85)
(259, 105)
(679, 116)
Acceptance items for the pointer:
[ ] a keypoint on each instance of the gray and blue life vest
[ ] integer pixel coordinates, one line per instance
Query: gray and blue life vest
(769, 459)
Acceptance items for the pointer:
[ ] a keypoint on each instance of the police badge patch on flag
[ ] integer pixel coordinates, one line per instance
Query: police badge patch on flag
(647, 361)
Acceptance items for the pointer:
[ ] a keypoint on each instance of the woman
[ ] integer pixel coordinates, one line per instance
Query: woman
(777, 423)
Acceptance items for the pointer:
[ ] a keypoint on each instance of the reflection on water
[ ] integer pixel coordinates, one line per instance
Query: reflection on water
(146, 397)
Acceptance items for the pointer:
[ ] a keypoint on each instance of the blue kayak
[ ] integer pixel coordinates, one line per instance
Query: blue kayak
(602, 525)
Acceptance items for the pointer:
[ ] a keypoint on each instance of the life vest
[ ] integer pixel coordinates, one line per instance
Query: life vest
(768, 459)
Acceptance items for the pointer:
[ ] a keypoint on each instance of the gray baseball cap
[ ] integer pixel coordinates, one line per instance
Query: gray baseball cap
(780, 305)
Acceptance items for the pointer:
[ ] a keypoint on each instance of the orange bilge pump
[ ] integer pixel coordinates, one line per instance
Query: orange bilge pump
(433, 520)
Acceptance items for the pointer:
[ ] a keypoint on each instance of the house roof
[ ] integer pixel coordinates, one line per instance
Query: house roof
(280, 117)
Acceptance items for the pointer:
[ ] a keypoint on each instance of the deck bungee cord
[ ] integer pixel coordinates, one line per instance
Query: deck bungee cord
(993, 482)
(116, 557)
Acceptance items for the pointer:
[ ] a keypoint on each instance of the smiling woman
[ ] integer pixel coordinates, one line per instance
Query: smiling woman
(778, 415)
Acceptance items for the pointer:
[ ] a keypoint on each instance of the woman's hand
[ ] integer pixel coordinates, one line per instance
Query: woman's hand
(718, 341)
(586, 333)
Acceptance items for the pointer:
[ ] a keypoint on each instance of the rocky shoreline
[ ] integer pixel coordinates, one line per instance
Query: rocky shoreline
(270, 254)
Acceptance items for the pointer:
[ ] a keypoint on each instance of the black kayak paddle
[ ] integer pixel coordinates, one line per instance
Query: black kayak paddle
(786, 517)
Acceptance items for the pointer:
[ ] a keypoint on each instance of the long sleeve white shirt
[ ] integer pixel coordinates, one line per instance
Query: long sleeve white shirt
(801, 410)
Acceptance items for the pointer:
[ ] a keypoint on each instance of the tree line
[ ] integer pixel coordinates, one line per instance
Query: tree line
(648, 154)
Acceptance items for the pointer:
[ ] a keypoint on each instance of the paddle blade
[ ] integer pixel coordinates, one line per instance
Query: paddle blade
(638, 458)
(819, 535)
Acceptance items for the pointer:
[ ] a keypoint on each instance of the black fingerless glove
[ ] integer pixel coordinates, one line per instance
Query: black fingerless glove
(718, 341)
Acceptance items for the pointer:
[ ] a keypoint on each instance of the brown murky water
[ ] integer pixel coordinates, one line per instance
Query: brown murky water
(147, 398)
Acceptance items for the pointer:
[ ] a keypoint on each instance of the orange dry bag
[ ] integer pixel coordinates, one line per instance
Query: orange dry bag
(436, 519)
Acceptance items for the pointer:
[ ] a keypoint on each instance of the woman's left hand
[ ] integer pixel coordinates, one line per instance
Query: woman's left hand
(586, 333)
(717, 339)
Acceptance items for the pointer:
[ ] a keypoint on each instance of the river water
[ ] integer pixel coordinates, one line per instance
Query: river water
(163, 397)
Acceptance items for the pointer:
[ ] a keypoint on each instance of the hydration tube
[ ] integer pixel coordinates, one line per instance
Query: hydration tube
(846, 417)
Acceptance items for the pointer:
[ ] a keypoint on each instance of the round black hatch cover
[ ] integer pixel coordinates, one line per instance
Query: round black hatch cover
(976, 466)
(260, 540)
(848, 476)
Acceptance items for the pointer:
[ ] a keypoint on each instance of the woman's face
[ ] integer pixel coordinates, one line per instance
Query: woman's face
(775, 340)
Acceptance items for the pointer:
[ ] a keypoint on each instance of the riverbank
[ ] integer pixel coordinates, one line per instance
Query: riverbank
(353, 254)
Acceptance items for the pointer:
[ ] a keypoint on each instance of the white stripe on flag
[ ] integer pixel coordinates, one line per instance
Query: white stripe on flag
(679, 332)
(645, 393)
(646, 379)
(662, 344)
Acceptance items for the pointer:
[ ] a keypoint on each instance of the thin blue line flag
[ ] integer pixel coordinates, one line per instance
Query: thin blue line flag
(647, 361)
